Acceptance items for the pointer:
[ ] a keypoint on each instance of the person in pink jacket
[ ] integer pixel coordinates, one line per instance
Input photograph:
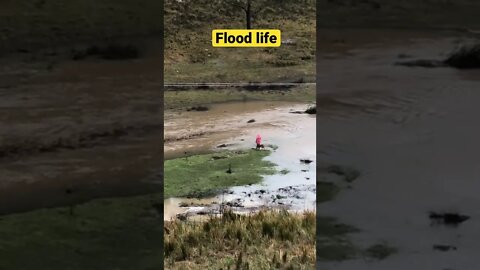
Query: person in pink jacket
(258, 141)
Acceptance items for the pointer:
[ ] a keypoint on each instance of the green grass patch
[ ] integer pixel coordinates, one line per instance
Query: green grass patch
(123, 233)
(266, 240)
(205, 175)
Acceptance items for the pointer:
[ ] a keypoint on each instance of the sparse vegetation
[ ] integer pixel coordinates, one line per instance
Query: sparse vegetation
(265, 240)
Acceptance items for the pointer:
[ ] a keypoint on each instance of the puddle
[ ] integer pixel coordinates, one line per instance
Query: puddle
(293, 134)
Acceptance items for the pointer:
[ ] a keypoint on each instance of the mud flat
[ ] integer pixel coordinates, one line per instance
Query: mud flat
(410, 133)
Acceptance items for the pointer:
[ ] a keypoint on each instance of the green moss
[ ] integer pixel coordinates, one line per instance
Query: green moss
(123, 233)
(202, 175)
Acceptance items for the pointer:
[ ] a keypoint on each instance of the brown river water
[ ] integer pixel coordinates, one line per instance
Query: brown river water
(413, 134)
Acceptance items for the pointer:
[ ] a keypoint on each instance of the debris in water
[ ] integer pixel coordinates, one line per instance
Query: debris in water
(466, 57)
(198, 108)
(349, 174)
(306, 161)
(444, 247)
(449, 219)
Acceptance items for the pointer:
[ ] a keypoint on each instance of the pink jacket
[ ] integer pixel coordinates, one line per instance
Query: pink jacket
(259, 139)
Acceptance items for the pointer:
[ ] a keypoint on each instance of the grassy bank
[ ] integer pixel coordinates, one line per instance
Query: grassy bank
(205, 175)
(186, 98)
(123, 233)
(267, 240)
(190, 57)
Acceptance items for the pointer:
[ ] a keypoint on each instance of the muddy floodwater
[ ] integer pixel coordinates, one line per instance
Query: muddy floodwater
(413, 135)
(71, 131)
(292, 135)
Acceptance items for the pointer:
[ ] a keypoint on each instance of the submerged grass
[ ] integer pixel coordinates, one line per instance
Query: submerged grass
(204, 175)
(333, 239)
(265, 240)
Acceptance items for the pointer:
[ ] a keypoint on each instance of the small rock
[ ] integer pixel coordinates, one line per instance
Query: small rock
(444, 247)
(306, 161)
(251, 121)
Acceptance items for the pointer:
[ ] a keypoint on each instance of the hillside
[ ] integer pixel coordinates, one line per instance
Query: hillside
(189, 56)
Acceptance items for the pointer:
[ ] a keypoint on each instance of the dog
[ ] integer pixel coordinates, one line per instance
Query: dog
(260, 146)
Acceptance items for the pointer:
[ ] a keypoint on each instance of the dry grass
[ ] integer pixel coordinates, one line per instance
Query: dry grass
(265, 240)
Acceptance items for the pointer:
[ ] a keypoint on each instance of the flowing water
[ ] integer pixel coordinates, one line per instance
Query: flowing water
(413, 135)
(293, 134)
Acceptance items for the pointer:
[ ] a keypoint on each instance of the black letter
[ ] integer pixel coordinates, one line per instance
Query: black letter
(218, 37)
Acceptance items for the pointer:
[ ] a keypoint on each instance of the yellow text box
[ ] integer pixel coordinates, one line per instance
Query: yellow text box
(246, 38)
